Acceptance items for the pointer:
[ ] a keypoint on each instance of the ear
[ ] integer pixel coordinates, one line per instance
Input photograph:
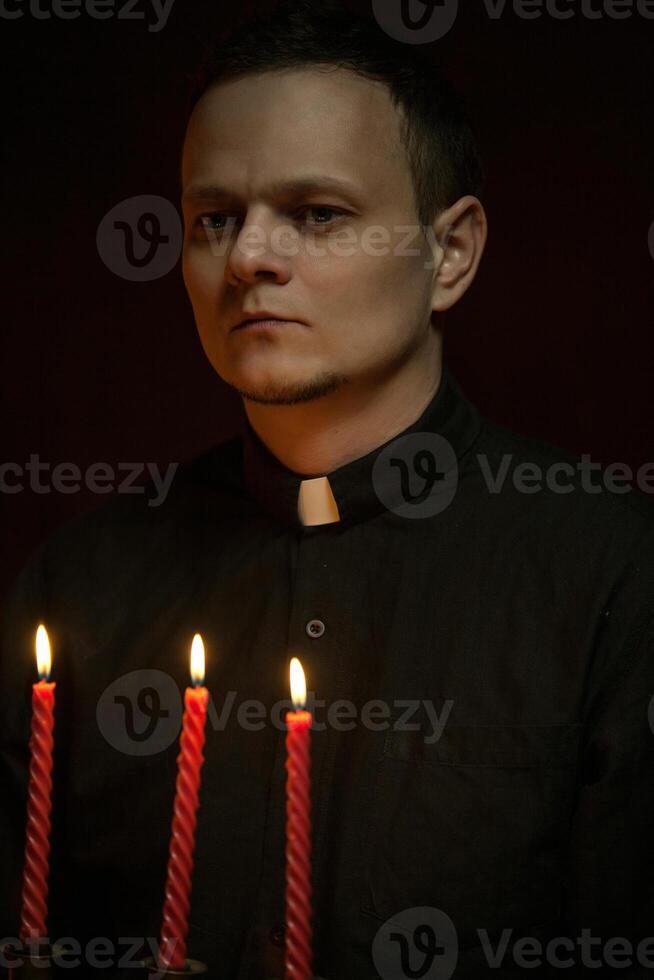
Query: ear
(461, 233)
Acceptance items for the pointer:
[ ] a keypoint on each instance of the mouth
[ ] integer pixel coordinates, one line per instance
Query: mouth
(263, 324)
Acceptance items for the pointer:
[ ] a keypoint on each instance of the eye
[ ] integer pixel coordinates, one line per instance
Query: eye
(215, 221)
(317, 216)
(335, 212)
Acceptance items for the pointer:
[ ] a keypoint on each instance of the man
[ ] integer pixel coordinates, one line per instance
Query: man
(478, 645)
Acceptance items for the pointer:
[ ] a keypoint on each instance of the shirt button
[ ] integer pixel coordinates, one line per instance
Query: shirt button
(315, 628)
(277, 935)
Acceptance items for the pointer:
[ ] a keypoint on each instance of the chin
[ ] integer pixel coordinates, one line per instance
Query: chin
(286, 391)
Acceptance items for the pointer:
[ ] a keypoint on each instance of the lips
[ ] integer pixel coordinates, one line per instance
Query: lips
(258, 317)
(255, 319)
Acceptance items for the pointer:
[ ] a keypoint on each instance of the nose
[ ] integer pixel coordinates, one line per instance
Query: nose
(261, 249)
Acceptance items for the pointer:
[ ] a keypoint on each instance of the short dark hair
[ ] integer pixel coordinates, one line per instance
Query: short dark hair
(441, 149)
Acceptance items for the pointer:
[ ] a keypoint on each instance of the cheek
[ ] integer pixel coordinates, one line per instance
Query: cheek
(391, 305)
(397, 286)
(367, 288)
(203, 280)
(203, 276)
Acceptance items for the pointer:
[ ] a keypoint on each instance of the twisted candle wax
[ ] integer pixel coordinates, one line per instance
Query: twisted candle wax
(172, 952)
(39, 803)
(297, 964)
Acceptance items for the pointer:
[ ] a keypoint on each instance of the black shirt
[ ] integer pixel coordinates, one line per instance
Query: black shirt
(502, 782)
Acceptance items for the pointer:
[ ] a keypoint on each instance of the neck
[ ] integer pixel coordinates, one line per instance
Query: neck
(314, 438)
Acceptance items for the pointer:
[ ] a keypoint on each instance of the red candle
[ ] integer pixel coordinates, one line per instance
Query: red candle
(39, 804)
(298, 833)
(172, 952)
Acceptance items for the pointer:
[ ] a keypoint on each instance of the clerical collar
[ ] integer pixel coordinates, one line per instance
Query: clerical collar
(349, 493)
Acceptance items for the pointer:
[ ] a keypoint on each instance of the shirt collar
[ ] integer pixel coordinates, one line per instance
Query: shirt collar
(347, 495)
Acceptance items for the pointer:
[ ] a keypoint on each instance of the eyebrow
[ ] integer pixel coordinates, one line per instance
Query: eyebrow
(278, 189)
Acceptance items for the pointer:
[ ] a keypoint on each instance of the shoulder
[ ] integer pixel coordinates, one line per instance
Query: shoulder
(148, 524)
(579, 523)
(546, 480)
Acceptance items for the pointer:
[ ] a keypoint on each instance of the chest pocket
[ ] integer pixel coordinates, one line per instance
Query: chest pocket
(474, 824)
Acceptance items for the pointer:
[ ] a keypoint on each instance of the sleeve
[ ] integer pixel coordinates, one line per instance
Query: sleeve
(609, 894)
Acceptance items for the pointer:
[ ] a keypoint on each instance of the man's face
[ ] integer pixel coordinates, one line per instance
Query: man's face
(306, 254)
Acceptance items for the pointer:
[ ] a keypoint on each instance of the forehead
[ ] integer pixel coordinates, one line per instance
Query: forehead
(278, 125)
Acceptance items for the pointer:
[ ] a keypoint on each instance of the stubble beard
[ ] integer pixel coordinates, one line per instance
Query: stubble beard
(278, 393)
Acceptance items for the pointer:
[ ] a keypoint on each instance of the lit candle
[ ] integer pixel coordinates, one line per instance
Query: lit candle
(172, 952)
(298, 832)
(39, 804)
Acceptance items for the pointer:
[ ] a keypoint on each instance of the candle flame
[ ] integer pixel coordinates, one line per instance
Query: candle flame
(298, 685)
(197, 661)
(43, 653)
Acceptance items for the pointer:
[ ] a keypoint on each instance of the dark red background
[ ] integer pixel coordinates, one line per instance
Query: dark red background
(555, 340)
